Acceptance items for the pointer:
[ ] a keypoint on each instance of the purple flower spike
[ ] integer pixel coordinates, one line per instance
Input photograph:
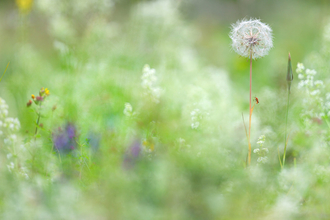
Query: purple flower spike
(132, 154)
(135, 148)
(71, 130)
(64, 140)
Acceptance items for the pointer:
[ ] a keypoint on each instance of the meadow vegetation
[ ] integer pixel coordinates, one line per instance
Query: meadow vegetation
(136, 113)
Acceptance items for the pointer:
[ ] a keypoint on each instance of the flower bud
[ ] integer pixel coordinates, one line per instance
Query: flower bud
(289, 76)
(39, 98)
(29, 103)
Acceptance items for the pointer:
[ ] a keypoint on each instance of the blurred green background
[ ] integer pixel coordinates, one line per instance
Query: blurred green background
(296, 25)
(91, 55)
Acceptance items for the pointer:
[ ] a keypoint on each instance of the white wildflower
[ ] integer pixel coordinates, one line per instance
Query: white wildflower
(262, 159)
(261, 151)
(11, 166)
(195, 125)
(315, 92)
(128, 111)
(265, 150)
(196, 116)
(310, 72)
(251, 37)
(149, 81)
(300, 67)
(318, 83)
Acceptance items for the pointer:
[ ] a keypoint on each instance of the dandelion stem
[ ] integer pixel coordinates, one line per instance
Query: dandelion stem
(250, 115)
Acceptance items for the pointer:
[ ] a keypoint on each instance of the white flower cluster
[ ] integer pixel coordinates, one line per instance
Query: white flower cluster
(7, 124)
(196, 116)
(3, 108)
(149, 81)
(251, 36)
(8, 128)
(315, 106)
(182, 144)
(128, 111)
(261, 151)
(322, 172)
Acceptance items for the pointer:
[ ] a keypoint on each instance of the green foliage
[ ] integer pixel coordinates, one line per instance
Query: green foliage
(119, 139)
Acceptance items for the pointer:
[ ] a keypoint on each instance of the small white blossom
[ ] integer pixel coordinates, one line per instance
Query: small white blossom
(310, 72)
(261, 151)
(315, 92)
(196, 116)
(11, 166)
(128, 111)
(300, 67)
(149, 81)
(262, 159)
(318, 83)
(195, 125)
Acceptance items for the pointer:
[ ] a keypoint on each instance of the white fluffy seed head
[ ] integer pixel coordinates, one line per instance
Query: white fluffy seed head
(251, 36)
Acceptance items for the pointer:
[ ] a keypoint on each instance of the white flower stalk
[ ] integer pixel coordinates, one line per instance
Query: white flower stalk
(128, 111)
(251, 38)
(149, 81)
(261, 151)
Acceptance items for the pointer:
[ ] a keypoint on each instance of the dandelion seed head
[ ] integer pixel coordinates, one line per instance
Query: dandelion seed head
(251, 36)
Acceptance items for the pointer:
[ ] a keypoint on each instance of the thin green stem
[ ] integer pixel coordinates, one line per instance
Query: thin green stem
(37, 125)
(286, 127)
(4, 71)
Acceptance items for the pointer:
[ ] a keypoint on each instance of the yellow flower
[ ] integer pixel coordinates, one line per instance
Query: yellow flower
(149, 145)
(24, 5)
(47, 92)
(32, 96)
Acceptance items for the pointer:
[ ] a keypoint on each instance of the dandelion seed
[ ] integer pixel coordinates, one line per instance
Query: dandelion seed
(251, 36)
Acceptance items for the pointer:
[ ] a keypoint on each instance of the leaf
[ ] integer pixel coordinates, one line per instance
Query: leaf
(4, 71)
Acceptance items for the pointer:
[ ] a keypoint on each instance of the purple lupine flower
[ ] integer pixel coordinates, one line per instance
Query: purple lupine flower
(132, 154)
(64, 140)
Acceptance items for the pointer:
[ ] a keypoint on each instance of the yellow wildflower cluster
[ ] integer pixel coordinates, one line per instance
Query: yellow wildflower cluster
(43, 93)
(24, 6)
